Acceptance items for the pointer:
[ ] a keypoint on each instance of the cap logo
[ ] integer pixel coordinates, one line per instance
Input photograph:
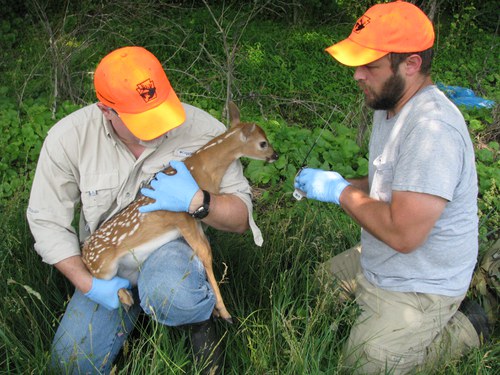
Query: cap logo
(147, 90)
(361, 24)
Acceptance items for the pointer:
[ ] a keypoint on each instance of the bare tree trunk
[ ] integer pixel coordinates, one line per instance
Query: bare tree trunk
(230, 42)
(430, 7)
(296, 9)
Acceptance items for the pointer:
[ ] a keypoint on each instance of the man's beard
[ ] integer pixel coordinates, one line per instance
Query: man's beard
(391, 93)
(154, 143)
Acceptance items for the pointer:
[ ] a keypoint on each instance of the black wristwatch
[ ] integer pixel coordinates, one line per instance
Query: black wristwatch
(202, 211)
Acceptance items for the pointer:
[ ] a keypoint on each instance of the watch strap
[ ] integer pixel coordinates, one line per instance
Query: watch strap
(202, 211)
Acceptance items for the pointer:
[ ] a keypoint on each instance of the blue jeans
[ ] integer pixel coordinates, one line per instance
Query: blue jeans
(172, 288)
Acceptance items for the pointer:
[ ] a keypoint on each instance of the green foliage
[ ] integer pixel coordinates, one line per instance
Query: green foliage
(487, 154)
(324, 148)
(488, 166)
(292, 75)
(458, 64)
(23, 130)
(484, 129)
(489, 214)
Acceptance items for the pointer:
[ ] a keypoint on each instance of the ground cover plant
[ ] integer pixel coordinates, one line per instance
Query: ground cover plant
(269, 57)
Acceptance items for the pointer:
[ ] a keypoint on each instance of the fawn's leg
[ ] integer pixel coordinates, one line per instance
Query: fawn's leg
(194, 236)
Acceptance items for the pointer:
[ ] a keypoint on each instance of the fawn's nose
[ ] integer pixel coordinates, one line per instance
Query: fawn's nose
(273, 157)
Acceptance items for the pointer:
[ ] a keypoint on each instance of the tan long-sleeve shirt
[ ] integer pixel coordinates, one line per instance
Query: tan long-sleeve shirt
(84, 166)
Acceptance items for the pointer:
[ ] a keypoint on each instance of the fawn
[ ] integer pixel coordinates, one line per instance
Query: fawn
(122, 243)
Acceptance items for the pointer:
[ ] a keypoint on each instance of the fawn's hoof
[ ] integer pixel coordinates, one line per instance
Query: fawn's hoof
(125, 297)
(222, 313)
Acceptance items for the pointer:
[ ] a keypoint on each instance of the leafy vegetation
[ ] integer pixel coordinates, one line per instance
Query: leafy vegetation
(269, 56)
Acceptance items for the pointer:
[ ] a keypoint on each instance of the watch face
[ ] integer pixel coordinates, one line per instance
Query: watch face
(200, 213)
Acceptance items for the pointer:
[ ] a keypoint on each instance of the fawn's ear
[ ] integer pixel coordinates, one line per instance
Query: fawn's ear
(246, 131)
(234, 114)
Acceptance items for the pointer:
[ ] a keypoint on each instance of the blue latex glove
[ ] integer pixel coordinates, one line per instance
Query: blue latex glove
(325, 186)
(105, 292)
(171, 192)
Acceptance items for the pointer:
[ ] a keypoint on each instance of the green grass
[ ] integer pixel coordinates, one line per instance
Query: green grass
(283, 323)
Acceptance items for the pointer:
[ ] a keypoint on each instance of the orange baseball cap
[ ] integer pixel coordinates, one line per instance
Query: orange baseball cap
(399, 27)
(132, 81)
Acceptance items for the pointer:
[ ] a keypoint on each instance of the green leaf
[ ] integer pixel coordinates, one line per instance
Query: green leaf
(485, 155)
(258, 173)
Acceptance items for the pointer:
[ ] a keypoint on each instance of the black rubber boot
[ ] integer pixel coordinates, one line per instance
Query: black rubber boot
(477, 316)
(207, 347)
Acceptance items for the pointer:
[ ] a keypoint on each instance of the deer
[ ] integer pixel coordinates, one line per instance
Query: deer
(123, 242)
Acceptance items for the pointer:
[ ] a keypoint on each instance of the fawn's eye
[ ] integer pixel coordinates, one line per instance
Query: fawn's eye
(263, 144)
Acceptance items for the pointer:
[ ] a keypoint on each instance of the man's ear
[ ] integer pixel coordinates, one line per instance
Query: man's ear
(413, 64)
(106, 111)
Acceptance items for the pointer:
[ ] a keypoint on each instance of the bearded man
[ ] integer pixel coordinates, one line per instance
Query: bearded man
(417, 207)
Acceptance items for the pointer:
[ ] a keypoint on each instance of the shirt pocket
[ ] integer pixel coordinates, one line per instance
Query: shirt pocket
(98, 194)
(382, 180)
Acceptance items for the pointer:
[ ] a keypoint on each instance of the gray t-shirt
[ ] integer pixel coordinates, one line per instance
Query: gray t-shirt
(425, 148)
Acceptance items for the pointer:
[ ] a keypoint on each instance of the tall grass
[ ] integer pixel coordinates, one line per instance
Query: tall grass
(31, 294)
(284, 323)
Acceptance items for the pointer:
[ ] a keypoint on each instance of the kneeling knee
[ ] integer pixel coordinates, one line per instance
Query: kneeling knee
(367, 358)
(178, 307)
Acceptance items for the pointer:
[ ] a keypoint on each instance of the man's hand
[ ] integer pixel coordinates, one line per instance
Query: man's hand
(105, 292)
(325, 186)
(171, 192)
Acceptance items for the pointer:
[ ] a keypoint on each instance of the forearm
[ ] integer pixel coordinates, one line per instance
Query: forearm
(75, 271)
(373, 215)
(396, 224)
(227, 212)
(403, 223)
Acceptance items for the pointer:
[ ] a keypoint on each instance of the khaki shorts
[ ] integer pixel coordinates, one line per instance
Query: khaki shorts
(396, 332)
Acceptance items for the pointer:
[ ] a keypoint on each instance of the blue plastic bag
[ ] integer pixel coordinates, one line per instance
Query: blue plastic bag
(466, 97)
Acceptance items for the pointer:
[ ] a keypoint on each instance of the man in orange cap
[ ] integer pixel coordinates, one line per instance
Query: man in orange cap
(99, 157)
(417, 207)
